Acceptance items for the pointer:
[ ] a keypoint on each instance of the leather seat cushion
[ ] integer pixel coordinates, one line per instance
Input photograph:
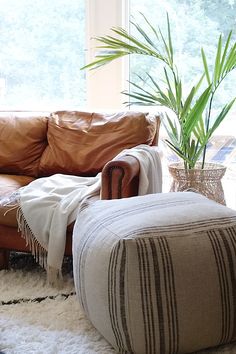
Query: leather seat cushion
(81, 143)
(8, 185)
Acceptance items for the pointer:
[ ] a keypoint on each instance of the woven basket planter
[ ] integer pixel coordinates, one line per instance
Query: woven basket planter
(206, 181)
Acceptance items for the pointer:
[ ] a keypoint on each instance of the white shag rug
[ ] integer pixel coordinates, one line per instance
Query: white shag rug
(52, 324)
(38, 319)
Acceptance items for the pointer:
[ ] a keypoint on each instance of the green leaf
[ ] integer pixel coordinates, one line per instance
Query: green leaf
(205, 67)
(161, 97)
(178, 92)
(154, 82)
(143, 100)
(139, 87)
(103, 60)
(131, 46)
(137, 43)
(199, 130)
(169, 38)
(225, 52)
(171, 128)
(188, 102)
(151, 27)
(219, 119)
(175, 148)
(159, 90)
(197, 110)
(170, 92)
(178, 152)
(144, 35)
(197, 86)
(230, 61)
(168, 50)
(217, 73)
(146, 96)
(221, 116)
(192, 148)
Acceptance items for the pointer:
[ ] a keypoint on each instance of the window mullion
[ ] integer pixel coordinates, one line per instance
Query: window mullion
(104, 84)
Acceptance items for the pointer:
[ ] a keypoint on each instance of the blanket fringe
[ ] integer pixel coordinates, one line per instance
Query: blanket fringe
(54, 276)
(13, 202)
(39, 253)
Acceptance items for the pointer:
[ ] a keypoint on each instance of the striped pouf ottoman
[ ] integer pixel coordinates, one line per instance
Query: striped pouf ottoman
(157, 274)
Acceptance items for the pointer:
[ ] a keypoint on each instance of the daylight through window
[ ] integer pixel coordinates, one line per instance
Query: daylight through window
(42, 50)
(194, 24)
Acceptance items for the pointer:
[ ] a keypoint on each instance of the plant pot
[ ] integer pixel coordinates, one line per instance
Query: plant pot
(206, 181)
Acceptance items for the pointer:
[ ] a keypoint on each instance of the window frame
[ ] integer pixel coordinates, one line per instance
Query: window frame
(104, 85)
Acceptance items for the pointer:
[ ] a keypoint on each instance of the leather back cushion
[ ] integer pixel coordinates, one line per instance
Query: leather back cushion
(82, 143)
(22, 142)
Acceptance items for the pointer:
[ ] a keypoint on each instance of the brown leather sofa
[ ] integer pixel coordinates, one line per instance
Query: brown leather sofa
(34, 145)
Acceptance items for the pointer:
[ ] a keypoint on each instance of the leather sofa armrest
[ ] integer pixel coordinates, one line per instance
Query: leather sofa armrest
(120, 178)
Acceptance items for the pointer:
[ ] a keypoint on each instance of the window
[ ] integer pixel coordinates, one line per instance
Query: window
(195, 24)
(42, 49)
(44, 43)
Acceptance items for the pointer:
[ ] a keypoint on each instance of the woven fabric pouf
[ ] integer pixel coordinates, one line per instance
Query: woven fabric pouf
(157, 274)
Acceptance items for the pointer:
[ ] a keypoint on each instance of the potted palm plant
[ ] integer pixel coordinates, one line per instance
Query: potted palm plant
(189, 120)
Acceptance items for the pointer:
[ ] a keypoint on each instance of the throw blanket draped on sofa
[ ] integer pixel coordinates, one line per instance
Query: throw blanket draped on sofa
(48, 205)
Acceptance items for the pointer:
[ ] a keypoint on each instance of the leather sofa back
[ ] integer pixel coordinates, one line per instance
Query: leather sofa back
(82, 143)
(22, 142)
(70, 142)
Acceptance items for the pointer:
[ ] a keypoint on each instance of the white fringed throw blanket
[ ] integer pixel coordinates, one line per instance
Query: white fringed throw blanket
(48, 205)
